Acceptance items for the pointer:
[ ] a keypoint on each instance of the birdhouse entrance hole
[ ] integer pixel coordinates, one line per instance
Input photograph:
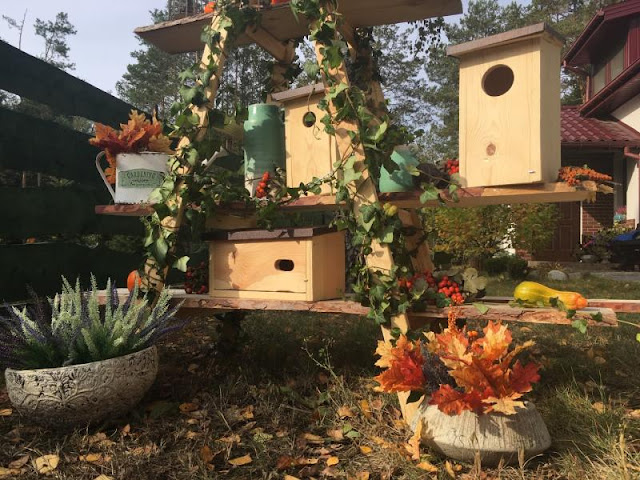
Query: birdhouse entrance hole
(309, 119)
(497, 81)
(285, 265)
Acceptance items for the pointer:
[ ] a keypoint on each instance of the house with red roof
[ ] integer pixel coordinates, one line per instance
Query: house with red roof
(604, 131)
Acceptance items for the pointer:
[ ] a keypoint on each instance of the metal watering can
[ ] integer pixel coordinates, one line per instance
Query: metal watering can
(137, 175)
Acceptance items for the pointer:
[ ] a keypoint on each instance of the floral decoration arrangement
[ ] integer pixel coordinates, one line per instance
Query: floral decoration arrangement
(72, 328)
(459, 369)
(586, 178)
(137, 135)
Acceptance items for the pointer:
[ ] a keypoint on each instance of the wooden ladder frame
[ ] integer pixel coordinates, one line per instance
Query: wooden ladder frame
(381, 257)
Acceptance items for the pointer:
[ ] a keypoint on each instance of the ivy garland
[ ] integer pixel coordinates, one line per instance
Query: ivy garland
(189, 189)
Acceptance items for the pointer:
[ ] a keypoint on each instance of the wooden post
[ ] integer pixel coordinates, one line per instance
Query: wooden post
(365, 189)
(153, 278)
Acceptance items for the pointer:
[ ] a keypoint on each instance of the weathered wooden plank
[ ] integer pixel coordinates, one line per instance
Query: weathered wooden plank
(349, 307)
(617, 305)
(32, 144)
(183, 35)
(34, 212)
(41, 266)
(37, 80)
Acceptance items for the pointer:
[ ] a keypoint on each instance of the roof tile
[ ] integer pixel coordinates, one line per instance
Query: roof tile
(581, 131)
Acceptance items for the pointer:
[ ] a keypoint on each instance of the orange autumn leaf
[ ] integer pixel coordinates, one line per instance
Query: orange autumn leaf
(405, 362)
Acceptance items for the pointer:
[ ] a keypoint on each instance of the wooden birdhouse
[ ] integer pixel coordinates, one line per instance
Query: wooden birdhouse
(284, 264)
(311, 152)
(510, 107)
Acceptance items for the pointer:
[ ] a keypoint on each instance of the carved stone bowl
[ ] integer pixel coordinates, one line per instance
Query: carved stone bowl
(495, 436)
(78, 395)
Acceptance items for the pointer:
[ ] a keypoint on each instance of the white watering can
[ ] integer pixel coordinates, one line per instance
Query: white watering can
(137, 175)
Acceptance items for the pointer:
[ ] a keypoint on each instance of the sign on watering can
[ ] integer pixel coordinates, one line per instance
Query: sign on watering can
(137, 175)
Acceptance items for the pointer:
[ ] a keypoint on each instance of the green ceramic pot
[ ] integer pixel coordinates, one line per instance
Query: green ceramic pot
(264, 147)
(399, 180)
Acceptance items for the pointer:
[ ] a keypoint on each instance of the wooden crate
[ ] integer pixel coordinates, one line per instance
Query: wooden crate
(287, 264)
(510, 107)
(311, 152)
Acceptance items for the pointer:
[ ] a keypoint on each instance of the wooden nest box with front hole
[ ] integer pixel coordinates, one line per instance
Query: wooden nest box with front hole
(510, 107)
(305, 264)
(311, 152)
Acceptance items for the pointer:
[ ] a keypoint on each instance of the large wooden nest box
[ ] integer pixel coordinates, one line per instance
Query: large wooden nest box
(284, 264)
(510, 107)
(311, 152)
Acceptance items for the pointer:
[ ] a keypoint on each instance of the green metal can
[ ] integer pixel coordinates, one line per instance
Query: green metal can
(264, 144)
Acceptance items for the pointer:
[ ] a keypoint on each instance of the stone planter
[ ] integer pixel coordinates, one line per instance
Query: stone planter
(81, 394)
(494, 435)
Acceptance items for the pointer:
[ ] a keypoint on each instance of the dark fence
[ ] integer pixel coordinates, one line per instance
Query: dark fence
(43, 231)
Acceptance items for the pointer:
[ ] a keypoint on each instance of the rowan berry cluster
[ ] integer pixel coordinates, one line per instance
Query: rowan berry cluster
(196, 280)
(445, 285)
(452, 166)
(263, 186)
(574, 175)
(450, 289)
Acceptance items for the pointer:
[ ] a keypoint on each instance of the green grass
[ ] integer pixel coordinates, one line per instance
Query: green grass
(289, 377)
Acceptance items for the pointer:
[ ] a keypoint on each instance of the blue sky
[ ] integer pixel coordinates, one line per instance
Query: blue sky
(101, 48)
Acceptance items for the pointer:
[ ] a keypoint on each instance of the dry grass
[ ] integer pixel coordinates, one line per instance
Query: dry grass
(279, 398)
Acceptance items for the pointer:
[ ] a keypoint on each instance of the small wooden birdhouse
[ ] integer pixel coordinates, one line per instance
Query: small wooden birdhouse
(311, 152)
(305, 264)
(510, 107)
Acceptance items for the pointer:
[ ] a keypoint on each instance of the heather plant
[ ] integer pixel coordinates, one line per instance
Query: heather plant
(72, 328)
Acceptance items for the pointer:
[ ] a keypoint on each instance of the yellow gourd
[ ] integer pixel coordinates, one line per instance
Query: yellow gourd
(532, 292)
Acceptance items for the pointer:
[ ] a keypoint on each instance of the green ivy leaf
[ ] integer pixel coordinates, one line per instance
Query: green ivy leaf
(387, 235)
(597, 316)
(181, 264)
(430, 193)
(481, 307)
(580, 325)
(160, 249)
(638, 337)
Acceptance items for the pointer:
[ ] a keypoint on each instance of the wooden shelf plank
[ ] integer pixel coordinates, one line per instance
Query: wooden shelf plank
(183, 35)
(495, 312)
(617, 305)
(468, 197)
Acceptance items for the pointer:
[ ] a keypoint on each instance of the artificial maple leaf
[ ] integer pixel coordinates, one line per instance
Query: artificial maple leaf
(160, 144)
(405, 362)
(496, 341)
(523, 377)
(385, 350)
(506, 405)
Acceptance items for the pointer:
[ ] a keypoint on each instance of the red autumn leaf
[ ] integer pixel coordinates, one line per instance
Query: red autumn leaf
(523, 377)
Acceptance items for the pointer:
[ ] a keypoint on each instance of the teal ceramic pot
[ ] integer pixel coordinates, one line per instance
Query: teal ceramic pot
(399, 180)
(264, 147)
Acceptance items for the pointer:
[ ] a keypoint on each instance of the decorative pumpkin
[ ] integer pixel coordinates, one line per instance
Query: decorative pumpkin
(532, 292)
(132, 279)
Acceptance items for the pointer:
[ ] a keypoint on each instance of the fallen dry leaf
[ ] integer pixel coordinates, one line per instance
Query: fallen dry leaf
(290, 477)
(247, 413)
(345, 412)
(366, 408)
(449, 469)
(188, 407)
(284, 462)
(233, 438)
(20, 462)
(46, 463)
(525, 330)
(311, 438)
(413, 446)
(599, 360)
(193, 367)
(103, 477)
(9, 472)
(245, 460)
(336, 434)
(634, 414)
(365, 449)
(427, 466)
(6, 412)
(359, 476)
(206, 454)
(126, 430)
(330, 472)
(598, 407)
(96, 458)
(331, 461)
(190, 435)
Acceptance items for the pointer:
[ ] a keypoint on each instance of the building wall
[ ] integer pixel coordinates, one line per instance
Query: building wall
(629, 113)
(599, 214)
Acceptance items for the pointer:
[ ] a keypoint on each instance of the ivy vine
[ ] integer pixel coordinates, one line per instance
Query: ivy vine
(191, 190)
